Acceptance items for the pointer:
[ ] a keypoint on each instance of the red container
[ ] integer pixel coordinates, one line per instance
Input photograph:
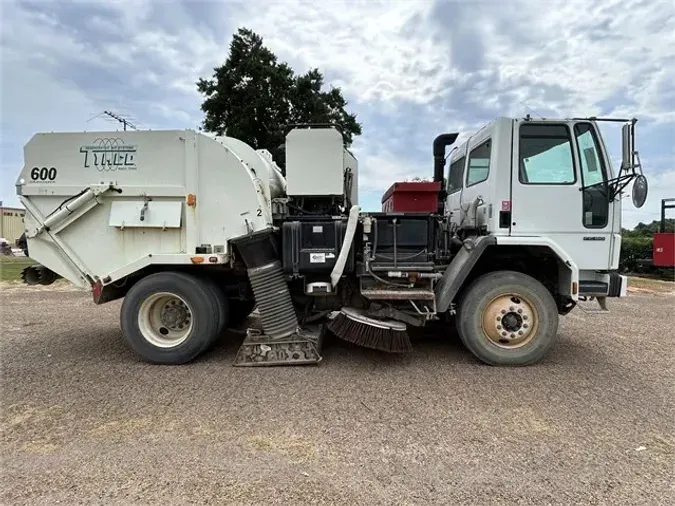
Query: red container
(664, 249)
(414, 197)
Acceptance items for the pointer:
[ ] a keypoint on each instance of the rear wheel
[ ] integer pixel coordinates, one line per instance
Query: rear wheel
(222, 306)
(507, 318)
(169, 317)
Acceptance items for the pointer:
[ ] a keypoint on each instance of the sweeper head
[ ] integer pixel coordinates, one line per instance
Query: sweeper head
(353, 325)
(38, 275)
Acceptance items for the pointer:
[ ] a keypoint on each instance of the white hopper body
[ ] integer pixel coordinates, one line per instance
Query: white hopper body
(102, 205)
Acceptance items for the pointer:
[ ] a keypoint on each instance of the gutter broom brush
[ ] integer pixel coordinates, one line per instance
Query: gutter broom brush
(352, 325)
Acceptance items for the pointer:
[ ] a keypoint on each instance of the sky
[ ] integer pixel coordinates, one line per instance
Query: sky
(409, 69)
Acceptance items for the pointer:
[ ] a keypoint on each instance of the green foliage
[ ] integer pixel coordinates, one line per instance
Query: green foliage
(633, 249)
(253, 97)
(637, 247)
(647, 230)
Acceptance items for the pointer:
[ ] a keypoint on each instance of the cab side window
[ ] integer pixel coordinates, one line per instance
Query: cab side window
(593, 177)
(592, 168)
(479, 163)
(456, 175)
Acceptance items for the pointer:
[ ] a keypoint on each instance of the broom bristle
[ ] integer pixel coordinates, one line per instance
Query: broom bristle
(385, 339)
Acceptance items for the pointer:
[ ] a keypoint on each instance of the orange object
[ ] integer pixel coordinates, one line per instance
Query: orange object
(191, 199)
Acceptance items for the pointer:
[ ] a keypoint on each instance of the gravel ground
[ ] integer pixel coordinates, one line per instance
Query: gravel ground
(83, 421)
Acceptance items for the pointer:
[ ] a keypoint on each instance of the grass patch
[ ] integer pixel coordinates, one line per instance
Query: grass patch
(11, 267)
(645, 284)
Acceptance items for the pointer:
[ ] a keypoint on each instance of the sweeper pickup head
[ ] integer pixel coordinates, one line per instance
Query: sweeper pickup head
(38, 275)
(355, 326)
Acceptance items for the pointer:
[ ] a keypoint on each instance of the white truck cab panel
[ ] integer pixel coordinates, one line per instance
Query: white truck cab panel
(538, 178)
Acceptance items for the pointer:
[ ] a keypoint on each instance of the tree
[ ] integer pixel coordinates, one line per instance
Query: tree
(637, 248)
(649, 229)
(254, 97)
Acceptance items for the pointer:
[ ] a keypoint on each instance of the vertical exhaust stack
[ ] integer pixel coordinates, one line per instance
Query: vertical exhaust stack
(440, 143)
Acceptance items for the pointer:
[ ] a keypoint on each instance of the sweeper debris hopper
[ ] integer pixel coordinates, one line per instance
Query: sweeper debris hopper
(194, 232)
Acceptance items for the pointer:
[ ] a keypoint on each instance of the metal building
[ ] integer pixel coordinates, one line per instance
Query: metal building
(11, 223)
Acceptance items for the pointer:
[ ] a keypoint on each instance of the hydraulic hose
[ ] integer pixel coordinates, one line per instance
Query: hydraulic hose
(339, 267)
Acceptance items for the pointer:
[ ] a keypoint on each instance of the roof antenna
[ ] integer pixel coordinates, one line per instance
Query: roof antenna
(117, 117)
(124, 121)
(532, 110)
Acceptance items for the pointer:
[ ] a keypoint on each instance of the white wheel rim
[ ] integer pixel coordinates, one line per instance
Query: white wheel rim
(165, 320)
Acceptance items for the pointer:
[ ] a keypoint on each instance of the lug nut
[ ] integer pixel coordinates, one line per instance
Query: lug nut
(525, 317)
(499, 318)
(525, 326)
(503, 333)
(520, 310)
(512, 336)
(499, 327)
(520, 332)
(503, 311)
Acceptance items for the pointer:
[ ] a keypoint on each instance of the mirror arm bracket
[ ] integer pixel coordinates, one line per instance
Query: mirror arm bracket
(617, 185)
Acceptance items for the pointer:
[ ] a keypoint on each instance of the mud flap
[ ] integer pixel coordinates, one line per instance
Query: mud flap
(300, 348)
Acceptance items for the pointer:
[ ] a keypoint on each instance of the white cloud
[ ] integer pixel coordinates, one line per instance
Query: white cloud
(590, 52)
(38, 39)
(57, 106)
(24, 109)
(382, 169)
(660, 186)
(378, 51)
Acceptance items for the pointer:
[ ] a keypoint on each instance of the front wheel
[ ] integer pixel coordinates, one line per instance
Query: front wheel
(507, 318)
(169, 317)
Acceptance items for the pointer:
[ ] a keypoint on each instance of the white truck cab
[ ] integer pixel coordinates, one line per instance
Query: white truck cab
(542, 181)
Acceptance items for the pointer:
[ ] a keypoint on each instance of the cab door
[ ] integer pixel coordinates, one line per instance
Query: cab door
(479, 178)
(598, 211)
(559, 190)
(454, 188)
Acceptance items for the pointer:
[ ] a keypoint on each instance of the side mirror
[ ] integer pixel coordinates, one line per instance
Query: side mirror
(627, 140)
(640, 188)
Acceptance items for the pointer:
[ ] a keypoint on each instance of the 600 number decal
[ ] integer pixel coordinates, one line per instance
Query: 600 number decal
(43, 174)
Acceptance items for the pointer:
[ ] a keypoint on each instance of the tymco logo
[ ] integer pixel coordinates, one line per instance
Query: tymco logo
(109, 155)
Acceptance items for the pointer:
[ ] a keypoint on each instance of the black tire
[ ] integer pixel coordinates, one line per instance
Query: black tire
(514, 293)
(239, 311)
(202, 306)
(222, 307)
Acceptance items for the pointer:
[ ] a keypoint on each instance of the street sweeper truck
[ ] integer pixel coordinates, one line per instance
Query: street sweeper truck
(194, 232)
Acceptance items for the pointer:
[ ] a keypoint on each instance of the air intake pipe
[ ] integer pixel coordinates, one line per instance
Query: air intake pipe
(440, 143)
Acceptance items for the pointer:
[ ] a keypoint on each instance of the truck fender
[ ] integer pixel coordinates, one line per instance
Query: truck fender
(461, 265)
(458, 270)
(568, 271)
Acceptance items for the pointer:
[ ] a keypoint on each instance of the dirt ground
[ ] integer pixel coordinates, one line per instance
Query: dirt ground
(84, 422)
